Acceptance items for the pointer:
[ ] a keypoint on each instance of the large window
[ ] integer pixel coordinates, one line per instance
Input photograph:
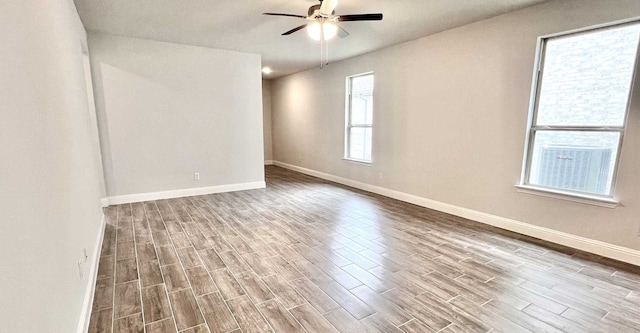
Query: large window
(579, 108)
(359, 118)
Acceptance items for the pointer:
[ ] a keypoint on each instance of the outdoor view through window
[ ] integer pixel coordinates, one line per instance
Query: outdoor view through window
(580, 112)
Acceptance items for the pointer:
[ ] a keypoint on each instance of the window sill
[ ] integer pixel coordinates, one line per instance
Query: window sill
(357, 161)
(562, 195)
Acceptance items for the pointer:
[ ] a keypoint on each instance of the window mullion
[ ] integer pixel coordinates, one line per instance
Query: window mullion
(579, 128)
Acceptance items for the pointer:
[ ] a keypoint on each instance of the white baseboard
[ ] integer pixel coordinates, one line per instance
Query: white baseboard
(577, 242)
(129, 198)
(105, 202)
(268, 162)
(85, 315)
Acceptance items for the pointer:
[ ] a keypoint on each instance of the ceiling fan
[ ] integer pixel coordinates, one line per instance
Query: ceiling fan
(323, 25)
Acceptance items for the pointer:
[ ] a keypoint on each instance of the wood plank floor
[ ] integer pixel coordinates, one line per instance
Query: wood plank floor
(306, 255)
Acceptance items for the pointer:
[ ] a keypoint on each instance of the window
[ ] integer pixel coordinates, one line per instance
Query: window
(359, 118)
(579, 108)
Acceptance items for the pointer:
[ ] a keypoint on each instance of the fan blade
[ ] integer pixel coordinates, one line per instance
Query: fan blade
(342, 33)
(280, 14)
(360, 17)
(328, 6)
(295, 29)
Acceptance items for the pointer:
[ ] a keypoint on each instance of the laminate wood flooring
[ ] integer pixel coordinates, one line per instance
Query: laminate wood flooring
(307, 255)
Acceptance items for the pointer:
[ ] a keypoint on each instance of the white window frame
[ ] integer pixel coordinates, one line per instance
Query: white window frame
(524, 185)
(349, 125)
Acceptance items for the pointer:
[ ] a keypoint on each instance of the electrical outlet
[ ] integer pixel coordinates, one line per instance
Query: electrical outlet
(81, 269)
(86, 256)
(380, 175)
(196, 176)
(299, 158)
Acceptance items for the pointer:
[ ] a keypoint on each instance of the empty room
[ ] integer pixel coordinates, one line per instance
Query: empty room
(319, 166)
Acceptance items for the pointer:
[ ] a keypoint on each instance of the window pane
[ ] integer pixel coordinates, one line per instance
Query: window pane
(362, 109)
(576, 161)
(362, 83)
(362, 100)
(586, 78)
(360, 143)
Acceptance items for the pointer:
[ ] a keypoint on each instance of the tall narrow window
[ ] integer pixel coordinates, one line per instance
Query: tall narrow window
(580, 104)
(359, 118)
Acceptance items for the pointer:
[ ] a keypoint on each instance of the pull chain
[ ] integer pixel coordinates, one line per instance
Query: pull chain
(321, 53)
(326, 45)
(322, 42)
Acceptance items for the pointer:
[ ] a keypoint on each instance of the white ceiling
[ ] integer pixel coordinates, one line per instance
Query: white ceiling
(238, 24)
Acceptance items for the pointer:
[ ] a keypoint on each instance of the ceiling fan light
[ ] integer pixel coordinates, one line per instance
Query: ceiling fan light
(330, 30)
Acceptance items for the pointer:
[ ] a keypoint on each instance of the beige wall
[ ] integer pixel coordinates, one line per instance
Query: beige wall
(50, 184)
(450, 119)
(167, 111)
(266, 115)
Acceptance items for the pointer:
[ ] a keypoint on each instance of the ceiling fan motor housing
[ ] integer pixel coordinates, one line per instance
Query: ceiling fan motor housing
(316, 9)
